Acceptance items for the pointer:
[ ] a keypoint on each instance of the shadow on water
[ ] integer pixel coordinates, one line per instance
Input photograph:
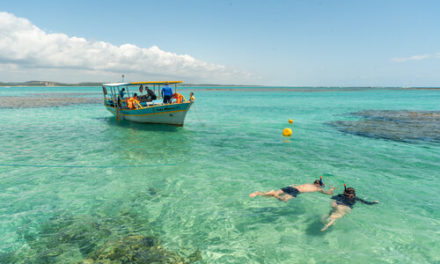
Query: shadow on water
(139, 126)
(314, 228)
(267, 216)
(155, 143)
(270, 214)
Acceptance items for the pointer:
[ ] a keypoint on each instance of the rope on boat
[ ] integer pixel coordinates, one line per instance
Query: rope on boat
(86, 166)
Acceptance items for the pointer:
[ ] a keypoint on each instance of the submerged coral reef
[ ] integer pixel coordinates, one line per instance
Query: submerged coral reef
(136, 249)
(404, 125)
(92, 239)
(37, 101)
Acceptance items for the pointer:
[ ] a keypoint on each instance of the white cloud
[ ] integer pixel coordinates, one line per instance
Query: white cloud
(413, 58)
(25, 47)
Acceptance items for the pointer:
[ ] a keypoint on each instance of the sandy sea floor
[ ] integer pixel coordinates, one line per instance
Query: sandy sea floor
(77, 186)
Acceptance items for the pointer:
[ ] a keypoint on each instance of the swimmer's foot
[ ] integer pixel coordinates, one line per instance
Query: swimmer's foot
(331, 222)
(252, 195)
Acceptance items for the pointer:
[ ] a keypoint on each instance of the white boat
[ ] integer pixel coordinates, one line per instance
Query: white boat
(144, 109)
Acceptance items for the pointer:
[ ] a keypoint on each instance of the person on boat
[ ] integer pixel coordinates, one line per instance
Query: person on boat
(291, 191)
(133, 102)
(342, 204)
(178, 97)
(191, 97)
(136, 102)
(122, 93)
(150, 94)
(166, 92)
(130, 103)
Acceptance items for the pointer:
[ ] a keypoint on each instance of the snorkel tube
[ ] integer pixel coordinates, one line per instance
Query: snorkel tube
(345, 187)
(320, 181)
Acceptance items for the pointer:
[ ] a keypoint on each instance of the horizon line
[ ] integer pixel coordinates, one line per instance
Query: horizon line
(36, 83)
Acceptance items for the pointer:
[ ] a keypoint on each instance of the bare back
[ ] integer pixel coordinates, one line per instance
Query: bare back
(308, 187)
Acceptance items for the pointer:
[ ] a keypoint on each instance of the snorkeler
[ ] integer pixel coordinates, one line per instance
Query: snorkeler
(342, 204)
(291, 191)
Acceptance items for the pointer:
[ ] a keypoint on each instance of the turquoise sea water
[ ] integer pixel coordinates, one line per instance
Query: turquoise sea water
(72, 178)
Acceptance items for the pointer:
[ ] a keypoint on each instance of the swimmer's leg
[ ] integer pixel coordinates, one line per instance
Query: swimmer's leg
(338, 212)
(285, 197)
(331, 222)
(252, 195)
(325, 218)
(273, 193)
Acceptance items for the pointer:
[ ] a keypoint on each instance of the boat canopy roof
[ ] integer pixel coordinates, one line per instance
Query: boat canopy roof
(116, 84)
(138, 83)
(159, 83)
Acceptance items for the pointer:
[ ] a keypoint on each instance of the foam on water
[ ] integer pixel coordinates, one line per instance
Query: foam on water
(76, 162)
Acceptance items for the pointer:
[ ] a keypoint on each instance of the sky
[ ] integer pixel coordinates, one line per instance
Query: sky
(277, 43)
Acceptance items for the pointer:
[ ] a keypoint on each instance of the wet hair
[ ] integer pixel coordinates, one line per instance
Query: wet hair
(317, 182)
(350, 193)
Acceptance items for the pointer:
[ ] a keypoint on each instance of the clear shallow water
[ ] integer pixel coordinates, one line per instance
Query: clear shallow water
(75, 165)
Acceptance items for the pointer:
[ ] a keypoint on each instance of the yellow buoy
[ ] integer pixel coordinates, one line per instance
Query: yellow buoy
(290, 121)
(287, 132)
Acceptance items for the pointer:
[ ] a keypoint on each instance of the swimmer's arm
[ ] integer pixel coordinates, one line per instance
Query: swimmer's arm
(330, 192)
(366, 202)
(337, 197)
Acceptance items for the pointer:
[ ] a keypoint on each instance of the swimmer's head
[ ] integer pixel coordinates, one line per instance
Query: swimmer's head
(350, 193)
(318, 183)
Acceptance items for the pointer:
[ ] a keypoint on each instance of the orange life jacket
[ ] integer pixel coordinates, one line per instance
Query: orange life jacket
(178, 98)
(130, 103)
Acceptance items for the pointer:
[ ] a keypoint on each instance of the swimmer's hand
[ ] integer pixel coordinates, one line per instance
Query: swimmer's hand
(376, 202)
(329, 192)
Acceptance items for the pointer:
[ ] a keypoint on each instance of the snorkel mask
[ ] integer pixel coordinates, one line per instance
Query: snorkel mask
(320, 181)
(349, 192)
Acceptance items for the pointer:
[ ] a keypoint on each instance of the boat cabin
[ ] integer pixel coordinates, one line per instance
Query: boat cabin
(136, 95)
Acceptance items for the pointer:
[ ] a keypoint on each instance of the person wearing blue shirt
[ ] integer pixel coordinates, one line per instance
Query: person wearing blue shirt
(122, 93)
(167, 92)
(121, 96)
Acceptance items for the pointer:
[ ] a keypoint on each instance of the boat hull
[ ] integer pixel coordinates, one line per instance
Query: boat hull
(172, 114)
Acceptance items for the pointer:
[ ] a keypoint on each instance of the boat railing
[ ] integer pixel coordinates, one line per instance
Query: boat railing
(112, 95)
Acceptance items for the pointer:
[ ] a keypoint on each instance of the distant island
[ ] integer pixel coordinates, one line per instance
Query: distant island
(49, 83)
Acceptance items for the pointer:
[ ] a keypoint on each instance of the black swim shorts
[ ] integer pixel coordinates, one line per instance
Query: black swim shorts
(290, 190)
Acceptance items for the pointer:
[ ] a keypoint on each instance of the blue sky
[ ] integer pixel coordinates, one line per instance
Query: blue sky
(288, 43)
